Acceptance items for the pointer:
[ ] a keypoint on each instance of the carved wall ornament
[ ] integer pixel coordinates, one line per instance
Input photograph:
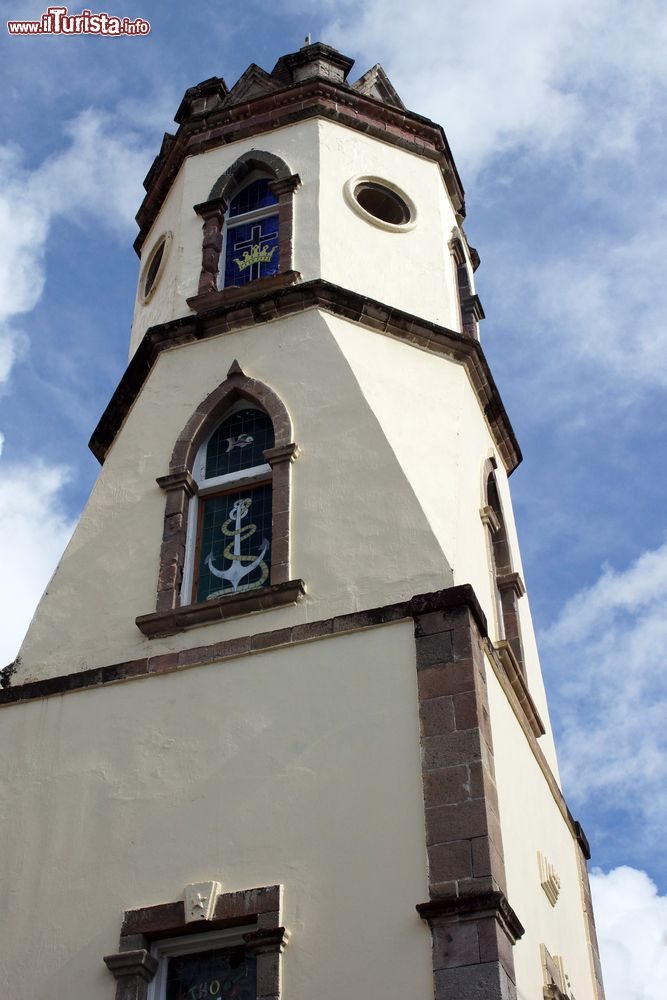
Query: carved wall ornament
(200, 899)
(549, 879)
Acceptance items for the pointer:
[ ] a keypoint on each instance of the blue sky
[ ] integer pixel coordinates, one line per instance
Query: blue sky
(555, 116)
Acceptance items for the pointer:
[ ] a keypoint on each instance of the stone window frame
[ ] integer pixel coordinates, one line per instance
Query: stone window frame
(134, 966)
(247, 479)
(213, 211)
(507, 584)
(163, 243)
(171, 614)
(470, 307)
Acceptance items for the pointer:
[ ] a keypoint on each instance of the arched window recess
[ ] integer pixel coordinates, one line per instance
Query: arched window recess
(506, 583)
(225, 547)
(470, 307)
(247, 228)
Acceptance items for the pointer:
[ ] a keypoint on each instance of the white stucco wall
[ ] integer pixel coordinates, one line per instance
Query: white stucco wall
(412, 270)
(298, 767)
(385, 494)
(530, 822)
(359, 535)
(435, 427)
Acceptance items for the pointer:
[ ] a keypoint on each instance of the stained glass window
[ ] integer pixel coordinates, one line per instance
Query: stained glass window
(252, 235)
(234, 542)
(212, 975)
(238, 443)
(250, 198)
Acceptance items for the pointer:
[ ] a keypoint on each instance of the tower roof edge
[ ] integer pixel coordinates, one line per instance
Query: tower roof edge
(316, 60)
(211, 115)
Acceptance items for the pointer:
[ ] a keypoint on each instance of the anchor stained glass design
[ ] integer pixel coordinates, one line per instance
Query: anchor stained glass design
(212, 975)
(252, 235)
(235, 527)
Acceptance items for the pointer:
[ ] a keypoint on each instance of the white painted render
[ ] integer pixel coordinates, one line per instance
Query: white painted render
(437, 431)
(412, 270)
(283, 767)
(385, 494)
(359, 536)
(299, 765)
(531, 821)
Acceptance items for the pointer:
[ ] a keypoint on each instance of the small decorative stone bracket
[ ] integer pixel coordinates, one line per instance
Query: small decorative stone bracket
(549, 879)
(200, 899)
(132, 970)
(489, 518)
(511, 582)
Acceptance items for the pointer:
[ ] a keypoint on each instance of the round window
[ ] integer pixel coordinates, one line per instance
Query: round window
(154, 266)
(382, 203)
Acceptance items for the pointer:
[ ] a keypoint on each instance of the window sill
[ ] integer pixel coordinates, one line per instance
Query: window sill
(163, 623)
(208, 301)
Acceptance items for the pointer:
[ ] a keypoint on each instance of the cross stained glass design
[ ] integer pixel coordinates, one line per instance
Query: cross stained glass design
(212, 975)
(252, 251)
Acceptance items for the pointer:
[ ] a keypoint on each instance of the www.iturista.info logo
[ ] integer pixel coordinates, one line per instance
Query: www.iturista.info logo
(58, 21)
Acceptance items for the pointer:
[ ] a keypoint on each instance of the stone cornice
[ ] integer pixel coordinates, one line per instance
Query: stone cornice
(261, 305)
(310, 99)
(472, 907)
(161, 663)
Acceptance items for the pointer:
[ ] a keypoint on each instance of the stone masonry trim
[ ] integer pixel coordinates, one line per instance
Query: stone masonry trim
(286, 106)
(261, 306)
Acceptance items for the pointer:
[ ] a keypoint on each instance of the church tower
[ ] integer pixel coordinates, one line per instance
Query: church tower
(278, 729)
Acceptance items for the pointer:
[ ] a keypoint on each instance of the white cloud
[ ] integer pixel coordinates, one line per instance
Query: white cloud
(568, 89)
(524, 74)
(611, 702)
(631, 920)
(597, 312)
(95, 178)
(34, 530)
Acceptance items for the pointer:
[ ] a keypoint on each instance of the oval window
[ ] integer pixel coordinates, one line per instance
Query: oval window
(154, 267)
(382, 203)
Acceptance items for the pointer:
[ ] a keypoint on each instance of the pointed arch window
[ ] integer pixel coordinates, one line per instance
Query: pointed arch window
(229, 551)
(507, 584)
(225, 543)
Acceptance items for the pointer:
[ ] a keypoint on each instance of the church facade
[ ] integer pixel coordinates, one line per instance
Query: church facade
(278, 727)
